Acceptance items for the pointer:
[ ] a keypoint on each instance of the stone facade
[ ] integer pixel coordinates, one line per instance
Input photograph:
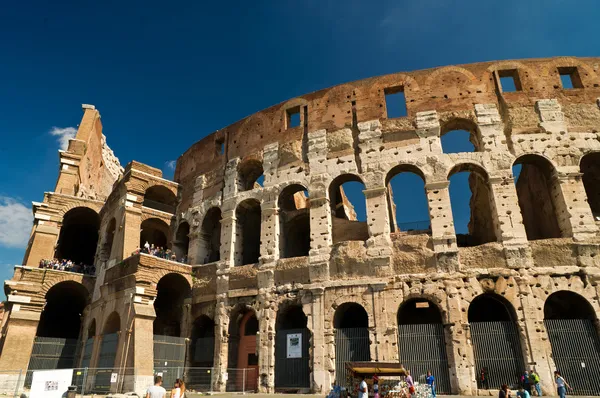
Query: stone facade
(242, 240)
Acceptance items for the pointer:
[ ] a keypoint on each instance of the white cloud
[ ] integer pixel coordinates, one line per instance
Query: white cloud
(171, 164)
(15, 222)
(64, 135)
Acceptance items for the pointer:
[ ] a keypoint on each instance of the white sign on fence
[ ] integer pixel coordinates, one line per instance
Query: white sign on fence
(113, 377)
(294, 345)
(51, 383)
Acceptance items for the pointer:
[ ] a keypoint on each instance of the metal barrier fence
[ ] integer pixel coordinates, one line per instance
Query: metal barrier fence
(103, 381)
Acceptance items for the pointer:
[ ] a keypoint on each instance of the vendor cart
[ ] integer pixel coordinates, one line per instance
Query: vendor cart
(391, 381)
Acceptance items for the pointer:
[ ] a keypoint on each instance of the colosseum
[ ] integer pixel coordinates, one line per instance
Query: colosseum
(269, 282)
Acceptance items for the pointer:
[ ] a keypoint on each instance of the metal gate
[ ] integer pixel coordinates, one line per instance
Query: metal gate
(576, 353)
(87, 353)
(51, 353)
(292, 368)
(351, 345)
(106, 362)
(169, 358)
(422, 348)
(497, 349)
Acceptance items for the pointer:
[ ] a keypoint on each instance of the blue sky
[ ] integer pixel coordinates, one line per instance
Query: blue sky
(164, 74)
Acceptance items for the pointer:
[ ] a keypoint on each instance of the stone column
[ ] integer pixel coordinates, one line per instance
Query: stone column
(266, 343)
(269, 233)
(379, 243)
(132, 225)
(320, 228)
(491, 128)
(511, 229)
(219, 383)
(442, 225)
(141, 345)
(458, 345)
(228, 237)
(385, 331)
(574, 214)
(43, 242)
(321, 377)
(21, 328)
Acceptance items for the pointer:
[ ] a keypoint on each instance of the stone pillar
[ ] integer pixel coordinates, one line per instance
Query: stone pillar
(442, 225)
(42, 244)
(379, 243)
(267, 314)
(491, 128)
(132, 226)
(458, 344)
(19, 337)
(320, 228)
(538, 352)
(385, 330)
(141, 346)
(269, 233)
(228, 237)
(320, 376)
(511, 230)
(219, 383)
(575, 217)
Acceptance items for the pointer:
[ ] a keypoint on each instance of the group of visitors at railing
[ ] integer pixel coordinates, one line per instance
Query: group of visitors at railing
(68, 265)
(161, 252)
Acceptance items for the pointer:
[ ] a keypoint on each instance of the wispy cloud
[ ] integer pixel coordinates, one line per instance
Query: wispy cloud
(15, 222)
(64, 134)
(170, 164)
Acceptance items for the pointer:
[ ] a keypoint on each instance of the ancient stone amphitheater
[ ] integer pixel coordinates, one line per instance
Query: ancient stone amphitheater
(273, 283)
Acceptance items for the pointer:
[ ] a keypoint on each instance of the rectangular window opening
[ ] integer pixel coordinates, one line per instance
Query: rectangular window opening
(395, 102)
(293, 117)
(509, 80)
(220, 146)
(569, 77)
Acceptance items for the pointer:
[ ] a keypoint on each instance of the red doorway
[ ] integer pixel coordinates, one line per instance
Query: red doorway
(247, 355)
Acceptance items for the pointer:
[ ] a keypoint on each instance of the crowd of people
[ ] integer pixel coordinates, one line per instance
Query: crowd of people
(68, 265)
(530, 384)
(161, 252)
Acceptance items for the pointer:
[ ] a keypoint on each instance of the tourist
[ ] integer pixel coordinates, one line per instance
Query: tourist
(504, 392)
(363, 390)
(179, 389)
(430, 380)
(147, 247)
(523, 393)
(375, 386)
(561, 384)
(156, 391)
(483, 379)
(534, 380)
(410, 383)
(525, 382)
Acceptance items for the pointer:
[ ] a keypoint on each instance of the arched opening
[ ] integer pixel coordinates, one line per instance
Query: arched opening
(243, 352)
(112, 324)
(422, 343)
(352, 341)
(496, 341)
(160, 198)
(538, 190)
(58, 331)
(109, 237)
(292, 339)
(169, 346)
(590, 167)
(294, 218)
(572, 328)
(248, 225)
(108, 352)
(88, 348)
(78, 236)
(408, 211)
(471, 201)
(348, 209)
(182, 242)
(250, 175)
(203, 342)
(210, 237)
(172, 290)
(155, 233)
(460, 135)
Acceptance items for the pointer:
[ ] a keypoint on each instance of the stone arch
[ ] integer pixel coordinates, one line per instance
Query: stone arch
(452, 128)
(243, 329)
(92, 329)
(347, 225)
(61, 316)
(202, 342)
(249, 172)
(248, 229)
(78, 238)
(414, 215)
(565, 304)
(292, 369)
(171, 292)
(112, 323)
(160, 197)
(482, 226)
(352, 340)
(108, 240)
(549, 68)
(182, 241)
(394, 80)
(64, 277)
(294, 220)
(540, 196)
(589, 166)
(156, 232)
(419, 310)
(471, 78)
(209, 236)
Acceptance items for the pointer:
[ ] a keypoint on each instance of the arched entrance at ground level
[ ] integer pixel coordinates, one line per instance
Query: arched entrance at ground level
(203, 342)
(108, 353)
(86, 358)
(78, 236)
(292, 339)
(169, 346)
(421, 342)
(496, 342)
(57, 335)
(352, 342)
(573, 332)
(243, 353)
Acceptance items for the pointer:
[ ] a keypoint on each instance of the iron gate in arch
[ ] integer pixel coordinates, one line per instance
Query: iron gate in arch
(576, 353)
(106, 362)
(169, 357)
(51, 353)
(351, 345)
(497, 349)
(292, 371)
(422, 347)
